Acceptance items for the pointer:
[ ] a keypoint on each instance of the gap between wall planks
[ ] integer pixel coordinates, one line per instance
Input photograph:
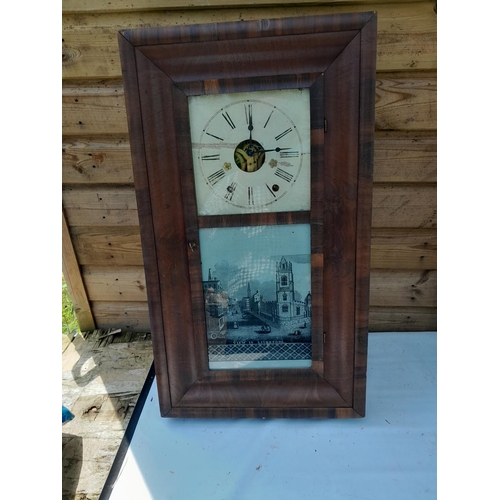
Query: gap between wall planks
(97, 174)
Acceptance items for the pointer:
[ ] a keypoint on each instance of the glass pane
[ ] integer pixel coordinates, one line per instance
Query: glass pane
(251, 151)
(257, 290)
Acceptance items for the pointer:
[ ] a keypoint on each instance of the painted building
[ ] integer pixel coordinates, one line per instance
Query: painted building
(287, 306)
(216, 306)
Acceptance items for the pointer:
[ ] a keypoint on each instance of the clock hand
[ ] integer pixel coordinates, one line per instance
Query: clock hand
(251, 151)
(274, 149)
(250, 124)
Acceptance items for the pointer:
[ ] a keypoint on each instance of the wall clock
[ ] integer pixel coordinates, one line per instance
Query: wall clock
(252, 147)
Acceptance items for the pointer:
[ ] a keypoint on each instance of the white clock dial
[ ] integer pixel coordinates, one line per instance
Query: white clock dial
(251, 151)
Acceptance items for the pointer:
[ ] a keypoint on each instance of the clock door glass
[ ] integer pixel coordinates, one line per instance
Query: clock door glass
(257, 292)
(251, 151)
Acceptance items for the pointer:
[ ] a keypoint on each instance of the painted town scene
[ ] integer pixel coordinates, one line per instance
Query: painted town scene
(257, 296)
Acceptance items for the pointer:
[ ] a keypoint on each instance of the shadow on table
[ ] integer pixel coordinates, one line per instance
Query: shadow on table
(72, 453)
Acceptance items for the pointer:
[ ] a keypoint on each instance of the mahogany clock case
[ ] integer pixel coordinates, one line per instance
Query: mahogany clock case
(333, 57)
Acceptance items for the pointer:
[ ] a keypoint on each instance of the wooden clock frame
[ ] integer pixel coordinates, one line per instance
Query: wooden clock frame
(334, 57)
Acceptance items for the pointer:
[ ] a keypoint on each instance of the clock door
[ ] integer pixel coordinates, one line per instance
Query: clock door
(251, 155)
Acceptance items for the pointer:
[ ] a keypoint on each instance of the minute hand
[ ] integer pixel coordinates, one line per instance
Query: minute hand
(274, 149)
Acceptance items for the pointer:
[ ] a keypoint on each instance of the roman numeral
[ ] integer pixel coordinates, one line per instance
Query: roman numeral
(268, 118)
(211, 157)
(284, 175)
(214, 136)
(228, 120)
(270, 190)
(250, 196)
(216, 177)
(287, 131)
(289, 154)
(230, 191)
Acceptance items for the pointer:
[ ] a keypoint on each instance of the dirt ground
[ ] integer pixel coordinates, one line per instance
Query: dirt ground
(102, 378)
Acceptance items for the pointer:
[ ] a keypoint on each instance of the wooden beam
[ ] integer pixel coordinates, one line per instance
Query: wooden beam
(399, 248)
(395, 288)
(134, 317)
(403, 249)
(100, 206)
(98, 6)
(404, 206)
(96, 108)
(108, 246)
(406, 40)
(119, 284)
(129, 316)
(97, 161)
(404, 102)
(76, 288)
(394, 205)
(400, 157)
(388, 288)
(405, 157)
(402, 319)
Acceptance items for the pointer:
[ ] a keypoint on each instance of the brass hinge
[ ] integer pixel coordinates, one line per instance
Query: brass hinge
(324, 337)
(326, 125)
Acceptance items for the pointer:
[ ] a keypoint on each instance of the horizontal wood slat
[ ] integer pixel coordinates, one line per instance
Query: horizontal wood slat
(403, 249)
(105, 206)
(394, 288)
(410, 206)
(399, 157)
(410, 17)
(397, 16)
(403, 206)
(97, 109)
(126, 284)
(97, 161)
(390, 248)
(108, 246)
(134, 317)
(388, 288)
(402, 319)
(98, 6)
(129, 316)
(404, 102)
(407, 34)
(405, 157)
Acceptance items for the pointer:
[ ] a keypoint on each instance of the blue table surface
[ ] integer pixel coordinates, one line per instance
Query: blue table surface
(389, 454)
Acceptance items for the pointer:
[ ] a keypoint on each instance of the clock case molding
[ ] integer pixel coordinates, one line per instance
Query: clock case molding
(334, 57)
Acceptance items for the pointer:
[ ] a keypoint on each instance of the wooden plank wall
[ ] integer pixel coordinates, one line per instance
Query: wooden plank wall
(98, 193)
